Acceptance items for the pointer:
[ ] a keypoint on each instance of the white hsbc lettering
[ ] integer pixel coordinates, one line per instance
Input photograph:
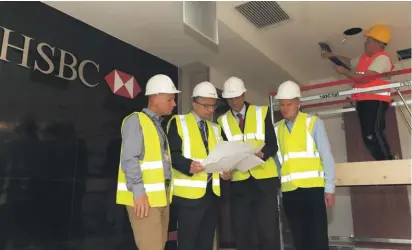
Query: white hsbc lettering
(73, 65)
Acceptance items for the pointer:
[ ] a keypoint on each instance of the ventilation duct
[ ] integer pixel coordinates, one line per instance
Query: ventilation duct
(199, 19)
(263, 14)
(404, 54)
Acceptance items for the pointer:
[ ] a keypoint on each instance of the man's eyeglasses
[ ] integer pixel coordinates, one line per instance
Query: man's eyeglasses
(207, 106)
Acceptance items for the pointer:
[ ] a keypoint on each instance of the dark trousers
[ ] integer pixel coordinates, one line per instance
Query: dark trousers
(197, 221)
(255, 208)
(305, 210)
(372, 121)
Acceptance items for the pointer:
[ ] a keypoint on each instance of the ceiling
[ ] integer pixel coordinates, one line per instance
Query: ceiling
(262, 57)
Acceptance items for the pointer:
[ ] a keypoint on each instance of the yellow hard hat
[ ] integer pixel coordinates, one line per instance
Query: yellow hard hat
(380, 33)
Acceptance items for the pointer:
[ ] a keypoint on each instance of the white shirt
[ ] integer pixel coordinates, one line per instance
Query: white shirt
(380, 64)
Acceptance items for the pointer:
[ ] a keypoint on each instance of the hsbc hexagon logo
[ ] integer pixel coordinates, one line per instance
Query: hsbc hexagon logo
(123, 84)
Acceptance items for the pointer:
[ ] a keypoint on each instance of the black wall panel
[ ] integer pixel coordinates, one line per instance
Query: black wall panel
(60, 129)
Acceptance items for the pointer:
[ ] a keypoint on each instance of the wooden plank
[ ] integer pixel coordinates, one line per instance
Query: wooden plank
(394, 172)
(378, 211)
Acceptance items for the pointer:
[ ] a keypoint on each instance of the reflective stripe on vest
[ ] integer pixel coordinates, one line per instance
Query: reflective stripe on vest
(259, 135)
(302, 175)
(193, 183)
(197, 181)
(148, 187)
(186, 137)
(151, 167)
(254, 131)
(309, 153)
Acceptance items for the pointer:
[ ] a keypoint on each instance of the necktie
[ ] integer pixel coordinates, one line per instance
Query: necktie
(241, 121)
(204, 133)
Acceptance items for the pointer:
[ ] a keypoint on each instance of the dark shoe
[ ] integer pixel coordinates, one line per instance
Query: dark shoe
(394, 156)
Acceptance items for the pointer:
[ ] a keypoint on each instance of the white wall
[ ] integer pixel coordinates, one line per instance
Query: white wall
(195, 73)
(189, 76)
(340, 217)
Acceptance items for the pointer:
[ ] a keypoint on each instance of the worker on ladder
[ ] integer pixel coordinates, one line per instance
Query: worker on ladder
(371, 107)
(254, 201)
(307, 171)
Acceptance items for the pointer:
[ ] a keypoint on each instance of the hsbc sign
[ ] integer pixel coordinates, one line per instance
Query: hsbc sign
(46, 52)
(123, 84)
(67, 66)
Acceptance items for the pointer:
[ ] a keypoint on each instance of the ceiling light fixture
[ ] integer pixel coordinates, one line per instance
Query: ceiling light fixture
(351, 32)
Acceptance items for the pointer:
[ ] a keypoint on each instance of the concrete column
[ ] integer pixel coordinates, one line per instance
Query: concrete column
(189, 76)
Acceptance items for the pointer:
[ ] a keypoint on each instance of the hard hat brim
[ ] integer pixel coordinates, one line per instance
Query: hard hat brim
(168, 92)
(277, 97)
(215, 97)
(377, 39)
(226, 96)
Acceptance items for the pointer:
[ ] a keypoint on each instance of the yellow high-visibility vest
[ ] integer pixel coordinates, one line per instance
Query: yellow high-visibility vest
(298, 155)
(194, 187)
(254, 131)
(151, 167)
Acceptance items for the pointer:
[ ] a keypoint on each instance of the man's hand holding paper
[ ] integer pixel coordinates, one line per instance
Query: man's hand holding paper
(227, 175)
(196, 167)
(259, 154)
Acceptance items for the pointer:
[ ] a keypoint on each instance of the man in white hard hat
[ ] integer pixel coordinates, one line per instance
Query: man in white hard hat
(254, 193)
(145, 167)
(307, 171)
(195, 193)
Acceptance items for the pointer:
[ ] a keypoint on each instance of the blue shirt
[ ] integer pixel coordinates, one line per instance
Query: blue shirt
(198, 120)
(322, 143)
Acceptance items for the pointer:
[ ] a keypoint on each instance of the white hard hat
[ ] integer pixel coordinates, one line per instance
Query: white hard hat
(288, 90)
(160, 84)
(233, 87)
(205, 89)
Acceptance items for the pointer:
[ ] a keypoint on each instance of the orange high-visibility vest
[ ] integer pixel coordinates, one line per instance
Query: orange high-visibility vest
(363, 65)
